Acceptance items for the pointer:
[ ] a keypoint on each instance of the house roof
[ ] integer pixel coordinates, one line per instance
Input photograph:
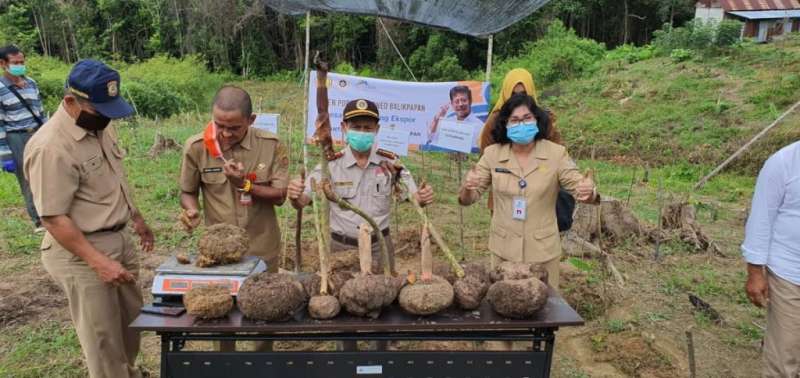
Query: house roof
(758, 5)
(767, 15)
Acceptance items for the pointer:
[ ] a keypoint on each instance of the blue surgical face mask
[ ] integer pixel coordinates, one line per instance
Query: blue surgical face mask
(360, 141)
(17, 69)
(522, 133)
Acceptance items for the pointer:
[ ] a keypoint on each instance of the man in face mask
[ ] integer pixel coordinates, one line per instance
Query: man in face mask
(362, 175)
(74, 165)
(21, 114)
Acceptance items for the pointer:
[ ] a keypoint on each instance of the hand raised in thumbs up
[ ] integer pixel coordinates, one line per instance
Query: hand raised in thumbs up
(473, 180)
(586, 187)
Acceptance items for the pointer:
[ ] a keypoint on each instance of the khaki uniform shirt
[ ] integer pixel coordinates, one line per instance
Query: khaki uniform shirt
(536, 238)
(262, 154)
(369, 189)
(78, 173)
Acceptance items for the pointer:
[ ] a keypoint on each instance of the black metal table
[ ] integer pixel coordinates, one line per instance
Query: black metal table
(393, 325)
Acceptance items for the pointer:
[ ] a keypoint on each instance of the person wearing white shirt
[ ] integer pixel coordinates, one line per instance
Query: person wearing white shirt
(461, 102)
(771, 249)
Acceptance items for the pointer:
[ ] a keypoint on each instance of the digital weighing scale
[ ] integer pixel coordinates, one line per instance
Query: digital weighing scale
(174, 279)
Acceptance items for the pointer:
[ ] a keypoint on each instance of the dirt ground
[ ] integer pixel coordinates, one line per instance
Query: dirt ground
(637, 329)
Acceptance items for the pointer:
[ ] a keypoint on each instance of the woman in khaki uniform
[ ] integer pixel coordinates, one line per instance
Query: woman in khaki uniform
(524, 171)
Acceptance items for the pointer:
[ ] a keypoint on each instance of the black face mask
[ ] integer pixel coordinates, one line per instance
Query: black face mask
(92, 122)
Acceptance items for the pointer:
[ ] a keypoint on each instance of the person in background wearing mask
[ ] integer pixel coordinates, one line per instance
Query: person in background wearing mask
(21, 114)
(79, 186)
(362, 175)
(461, 102)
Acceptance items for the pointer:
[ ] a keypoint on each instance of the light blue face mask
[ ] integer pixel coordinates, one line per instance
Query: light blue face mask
(17, 69)
(522, 133)
(360, 141)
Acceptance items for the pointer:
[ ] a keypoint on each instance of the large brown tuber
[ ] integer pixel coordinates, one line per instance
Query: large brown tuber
(271, 296)
(208, 302)
(366, 294)
(471, 289)
(517, 299)
(430, 294)
(221, 244)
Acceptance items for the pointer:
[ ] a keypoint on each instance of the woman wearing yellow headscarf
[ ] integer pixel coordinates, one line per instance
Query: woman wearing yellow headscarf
(518, 80)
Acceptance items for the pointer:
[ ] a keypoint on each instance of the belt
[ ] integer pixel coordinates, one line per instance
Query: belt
(353, 241)
(116, 228)
(29, 130)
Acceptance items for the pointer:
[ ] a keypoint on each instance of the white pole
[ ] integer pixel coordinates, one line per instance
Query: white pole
(489, 58)
(305, 93)
(744, 147)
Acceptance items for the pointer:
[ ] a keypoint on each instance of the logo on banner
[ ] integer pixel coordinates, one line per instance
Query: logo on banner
(363, 84)
(342, 83)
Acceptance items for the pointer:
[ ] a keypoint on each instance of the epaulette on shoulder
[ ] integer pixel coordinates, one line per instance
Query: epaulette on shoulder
(336, 156)
(194, 138)
(386, 153)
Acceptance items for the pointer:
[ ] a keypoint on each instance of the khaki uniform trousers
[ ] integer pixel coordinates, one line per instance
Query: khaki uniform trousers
(100, 312)
(782, 340)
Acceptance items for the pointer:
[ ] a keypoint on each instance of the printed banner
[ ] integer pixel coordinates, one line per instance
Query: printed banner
(408, 107)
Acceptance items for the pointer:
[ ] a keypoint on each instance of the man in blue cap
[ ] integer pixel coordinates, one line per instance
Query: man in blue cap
(74, 166)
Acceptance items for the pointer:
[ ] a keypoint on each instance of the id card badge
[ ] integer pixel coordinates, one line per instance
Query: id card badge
(520, 208)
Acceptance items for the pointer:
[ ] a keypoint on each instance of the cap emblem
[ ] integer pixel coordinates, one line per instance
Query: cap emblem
(112, 88)
(361, 104)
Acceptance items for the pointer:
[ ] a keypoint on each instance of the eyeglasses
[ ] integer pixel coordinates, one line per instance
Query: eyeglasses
(514, 122)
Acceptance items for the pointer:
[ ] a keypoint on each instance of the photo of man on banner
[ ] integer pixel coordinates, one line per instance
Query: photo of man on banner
(461, 103)
(436, 116)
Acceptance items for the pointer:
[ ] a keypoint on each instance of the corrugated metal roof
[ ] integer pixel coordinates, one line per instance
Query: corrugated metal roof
(764, 15)
(759, 5)
(472, 17)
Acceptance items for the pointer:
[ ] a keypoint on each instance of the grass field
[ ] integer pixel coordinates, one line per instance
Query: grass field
(634, 330)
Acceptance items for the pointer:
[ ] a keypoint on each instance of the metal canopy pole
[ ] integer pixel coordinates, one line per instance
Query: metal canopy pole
(305, 93)
(489, 59)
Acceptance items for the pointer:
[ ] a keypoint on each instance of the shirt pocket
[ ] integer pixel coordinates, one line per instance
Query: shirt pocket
(504, 243)
(344, 189)
(97, 181)
(213, 178)
(506, 183)
(381, 195)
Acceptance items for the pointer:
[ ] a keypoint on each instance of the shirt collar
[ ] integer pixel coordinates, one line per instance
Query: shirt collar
(246, 142)
(348, 159)
(66, 123)
(539, 151)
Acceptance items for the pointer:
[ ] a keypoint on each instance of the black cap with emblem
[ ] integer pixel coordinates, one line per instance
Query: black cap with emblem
(361, 107)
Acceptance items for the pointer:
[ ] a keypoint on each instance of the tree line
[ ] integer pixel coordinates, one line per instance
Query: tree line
(246, 38)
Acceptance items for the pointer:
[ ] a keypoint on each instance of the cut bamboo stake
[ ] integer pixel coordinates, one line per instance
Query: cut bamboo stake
(690, 347)
(298, 231)
(322, 225)
(426, 255)
(448, 254)
(744, 148)
(365, 248)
